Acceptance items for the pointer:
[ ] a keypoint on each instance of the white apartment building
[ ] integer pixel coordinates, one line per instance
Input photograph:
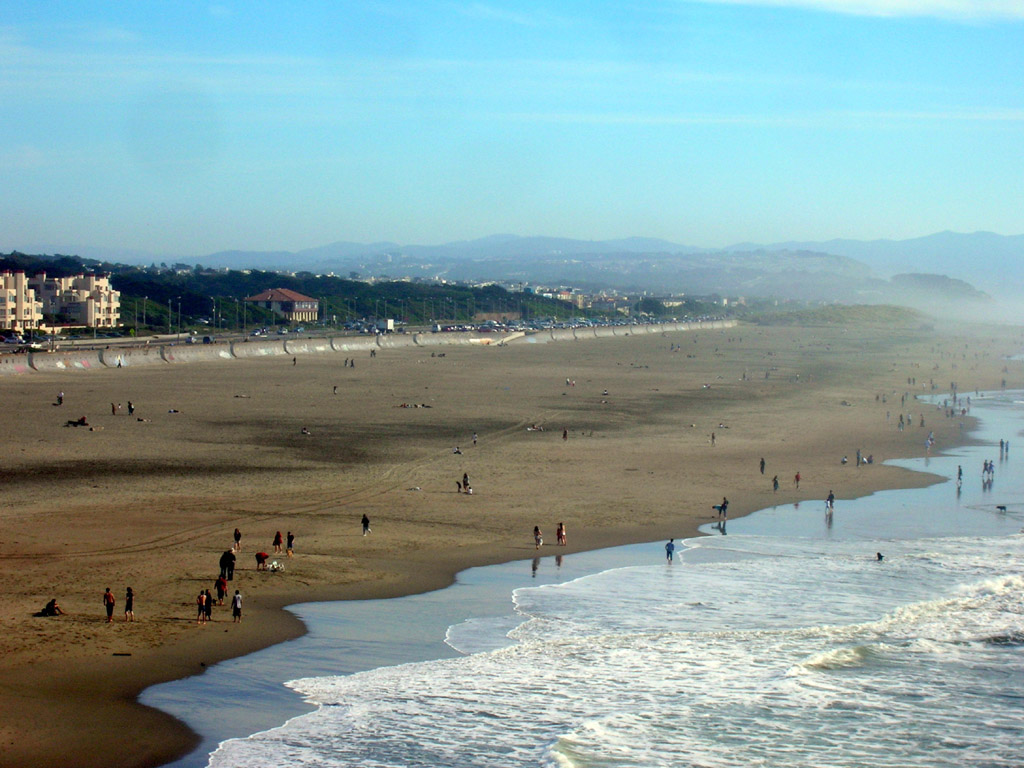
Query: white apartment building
(19, 308)
(88, 299)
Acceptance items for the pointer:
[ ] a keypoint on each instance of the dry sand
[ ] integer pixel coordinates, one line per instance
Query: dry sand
(152, 503)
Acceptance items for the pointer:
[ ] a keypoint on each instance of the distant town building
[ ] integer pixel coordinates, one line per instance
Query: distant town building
(19, 308)
(86, 298)
(291, 305)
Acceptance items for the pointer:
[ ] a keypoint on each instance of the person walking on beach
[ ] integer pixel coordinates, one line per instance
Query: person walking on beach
(723, 508)
(221, 585)
(227, 565)
(560, 535)
(131, 408)
(278, 541)
(108, 603)
(830, 501)
(366, 525)
(200, 607)
(538, 537)
(236, 607)
(565, 433)
(670, 548)
(775, 484)
(796, 480)
(60, 398)
(129, 605)
(238, 540)
(208, 605)
(291, 544)
(762, 465)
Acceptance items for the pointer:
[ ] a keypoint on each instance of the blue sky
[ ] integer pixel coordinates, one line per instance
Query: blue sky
(188, 128)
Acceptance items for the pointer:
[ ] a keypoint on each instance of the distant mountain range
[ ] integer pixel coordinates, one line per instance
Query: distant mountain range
(949, 263)
(990, 261)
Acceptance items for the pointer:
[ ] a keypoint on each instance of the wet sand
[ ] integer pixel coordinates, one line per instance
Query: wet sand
(152, 504)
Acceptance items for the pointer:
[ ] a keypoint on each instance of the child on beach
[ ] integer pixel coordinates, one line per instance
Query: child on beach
(538, 537)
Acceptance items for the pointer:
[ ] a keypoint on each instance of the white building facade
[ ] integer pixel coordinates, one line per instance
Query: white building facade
(87, 299)
(20, 310)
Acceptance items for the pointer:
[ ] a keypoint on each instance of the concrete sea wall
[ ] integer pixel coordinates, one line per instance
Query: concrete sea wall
(172, 354)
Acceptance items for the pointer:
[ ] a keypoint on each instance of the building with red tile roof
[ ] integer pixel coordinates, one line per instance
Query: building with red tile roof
(291, 305)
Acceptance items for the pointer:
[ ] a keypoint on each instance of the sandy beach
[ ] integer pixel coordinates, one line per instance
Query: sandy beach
(622, 452)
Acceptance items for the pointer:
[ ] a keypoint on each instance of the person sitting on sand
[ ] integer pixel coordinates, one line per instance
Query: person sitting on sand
(51, 609)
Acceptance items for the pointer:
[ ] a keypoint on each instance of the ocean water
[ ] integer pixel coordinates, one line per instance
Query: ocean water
(784, 642)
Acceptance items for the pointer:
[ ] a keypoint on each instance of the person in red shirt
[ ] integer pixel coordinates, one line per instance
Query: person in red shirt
(222, 588)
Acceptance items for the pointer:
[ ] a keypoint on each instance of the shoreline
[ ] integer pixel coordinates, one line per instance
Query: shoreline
(385, 573)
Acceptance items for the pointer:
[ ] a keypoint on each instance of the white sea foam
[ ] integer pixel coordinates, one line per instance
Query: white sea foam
(818, 657)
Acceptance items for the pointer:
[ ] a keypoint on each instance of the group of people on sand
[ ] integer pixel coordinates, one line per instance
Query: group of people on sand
(538, 536)
(205, 601)
(109, 601)
(52, 607)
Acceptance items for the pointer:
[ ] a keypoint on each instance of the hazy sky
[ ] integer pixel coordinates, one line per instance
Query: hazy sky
(186, 128)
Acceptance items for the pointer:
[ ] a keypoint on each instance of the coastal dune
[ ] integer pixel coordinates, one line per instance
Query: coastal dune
(262, 443)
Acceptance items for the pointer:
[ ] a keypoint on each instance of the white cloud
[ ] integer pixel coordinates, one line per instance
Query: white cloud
(951, 9)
